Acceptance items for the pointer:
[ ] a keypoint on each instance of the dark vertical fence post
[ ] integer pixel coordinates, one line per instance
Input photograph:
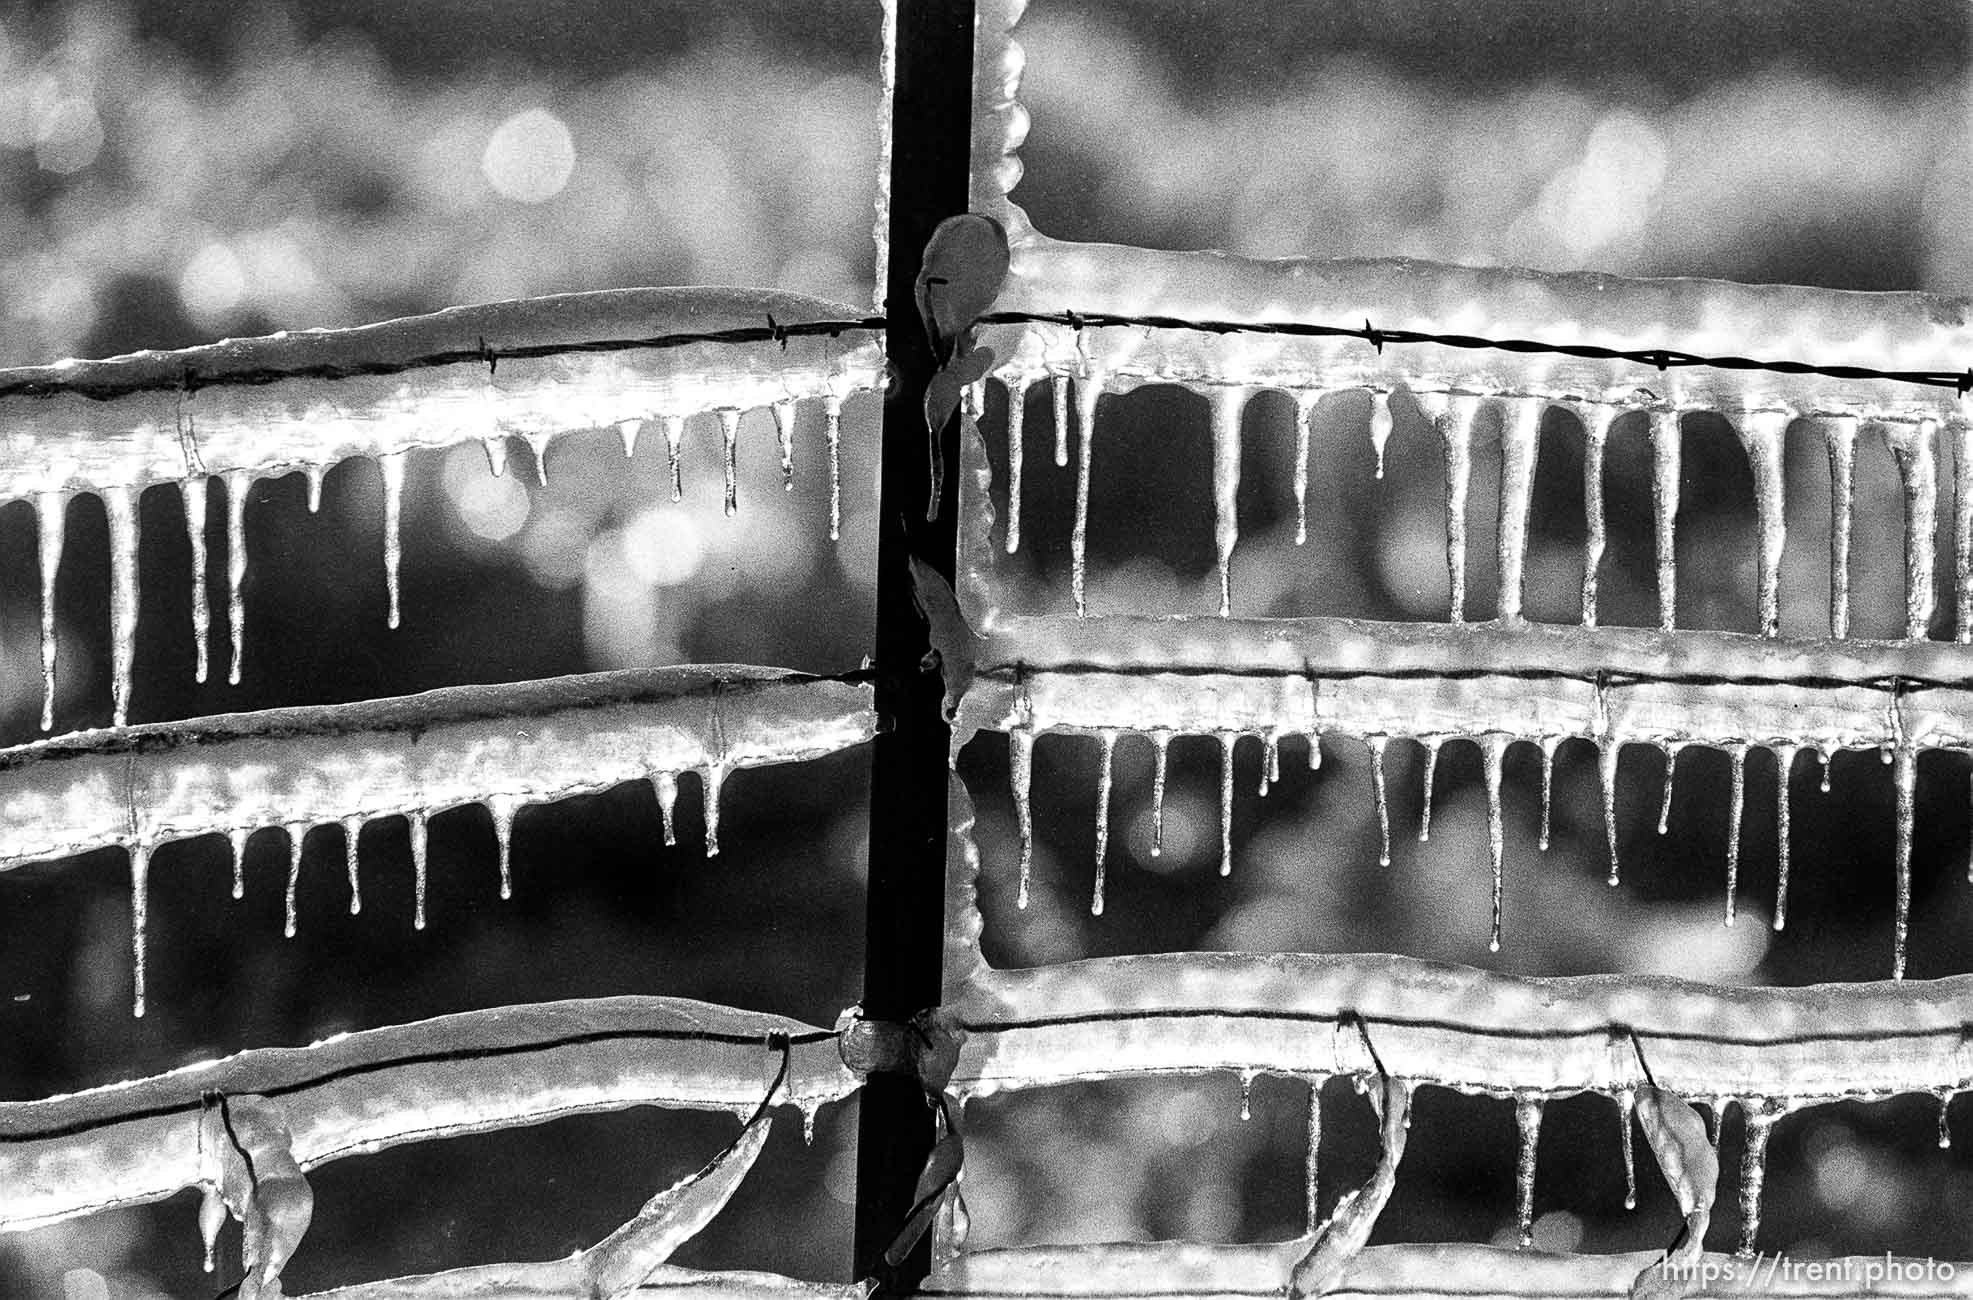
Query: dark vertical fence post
(931, 141)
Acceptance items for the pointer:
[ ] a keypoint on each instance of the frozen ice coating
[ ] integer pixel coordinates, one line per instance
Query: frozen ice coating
(134, 1142)
(145, 786)
(1447, 1271)
(251, 1172)
(193, 491)
(1227, 405)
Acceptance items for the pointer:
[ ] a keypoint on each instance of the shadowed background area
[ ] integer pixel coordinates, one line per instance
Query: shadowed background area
(176, 172)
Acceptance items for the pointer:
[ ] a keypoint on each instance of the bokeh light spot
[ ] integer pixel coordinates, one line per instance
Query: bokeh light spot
(529, 157)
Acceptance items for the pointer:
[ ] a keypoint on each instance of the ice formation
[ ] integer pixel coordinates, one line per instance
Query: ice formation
(415, 756)
(535, 369)
(141, 1141)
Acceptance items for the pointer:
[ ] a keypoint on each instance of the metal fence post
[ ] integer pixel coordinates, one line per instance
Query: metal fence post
(930, 166)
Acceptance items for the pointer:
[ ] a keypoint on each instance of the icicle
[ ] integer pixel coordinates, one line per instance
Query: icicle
(1596, 419)
(1527, 1118)
(1227, 403)
(236, 839)
(710, 782)
(140, 908)
(392, 464)
(1736, 806)
(1380, 425)
(496, 453)
(729, 434)
(1270, 760)
(352, 833)
(502, 809)
(1520, 438)
(120, 503)
(1246, 1096)
(1226, 742)
(1021, 777)
(1305, 400)
(415, 822)
(628, 430)
(1431, 744)
(1761, 434)
(1017, 410)
(538, 444)
(1945, 1096)
(1665, 453)
(1160, 745)
(296, 836)
(1759, 1120)
(1494, 751)
(808, 1109)
(1548, 744)
(1784, 766)
(212, 1217)
(784, 433)
(1456, 428)
(194, 492)
(313, 473)
(51, 509)
(238, 483)
(1380, 797)
(1608, 750)
(1626, 1107)
(674, 431)
(1089, 390)
(1103, 785)
(1671, 783)
(1311, 1180)
(1058, 388)
(832, 434)
(1840, 434)
(665, 786)
(1915, 448)
(1962, 523)
(1826, 754)
(1905, 775)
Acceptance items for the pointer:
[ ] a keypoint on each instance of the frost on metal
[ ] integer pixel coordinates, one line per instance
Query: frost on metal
(129, 1143)
(247, 409)
(501, 746)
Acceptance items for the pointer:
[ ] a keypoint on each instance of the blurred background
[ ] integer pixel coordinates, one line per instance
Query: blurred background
(174, 171)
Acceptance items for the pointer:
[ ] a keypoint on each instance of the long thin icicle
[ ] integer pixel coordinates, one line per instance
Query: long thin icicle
(729, 435)
(51, 512)
(352, 834)
(1736, 807)
(1432, 744)
(1527, 1119)
(1227, 405)
(1548, 746)
(415, 822)
(1784, 766)
(1020, 746)
(392, 465)
(140, 911)
(1312, 1173)
(1626, 1109)
(1226, 742)
(1455, 413)
(1381, 797)
(1608, 750)
(238, 484)
(1520, 439)
(193, 492)
(1017, 410)
(1160, 758)
(784, 434)
(1665, 454)
(1596, 420)
(674, 431)
(1103, 787)
(1380, 425)
(1305, 400)
(1915, 448)
(1962, 523)
(120, 504)
(1761, 433)
(297, 835)
(1840, 432)
(1905, 776)
(1494, 751)
(1759, 1121)
(1089, 391)
(1058, 393)
(1671, 753)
